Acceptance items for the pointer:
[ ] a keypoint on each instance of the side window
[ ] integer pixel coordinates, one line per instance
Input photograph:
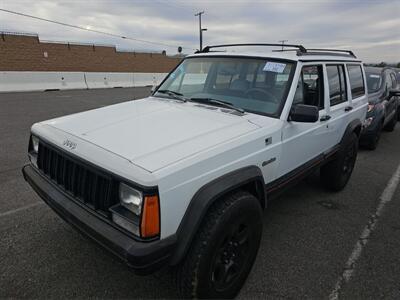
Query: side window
(356, 80)
(337, 84)
(394, 81)
(310, 88)
(388, 83)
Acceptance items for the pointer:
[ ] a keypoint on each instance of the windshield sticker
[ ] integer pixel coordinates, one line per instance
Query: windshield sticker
(374, 76)
(274, 67)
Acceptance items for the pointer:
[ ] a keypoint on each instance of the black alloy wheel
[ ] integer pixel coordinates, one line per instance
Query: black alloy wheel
(224, 249)
(231, 256)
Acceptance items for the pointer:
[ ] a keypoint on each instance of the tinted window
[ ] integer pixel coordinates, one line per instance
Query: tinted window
(373, 82)
(388, 83)
(394, 81)
(337, 84)
(356, 80)
(310, 88)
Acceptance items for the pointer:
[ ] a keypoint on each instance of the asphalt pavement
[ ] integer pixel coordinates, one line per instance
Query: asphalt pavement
(309, 234)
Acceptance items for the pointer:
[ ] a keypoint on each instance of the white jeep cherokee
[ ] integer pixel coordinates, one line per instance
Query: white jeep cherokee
(181, 178)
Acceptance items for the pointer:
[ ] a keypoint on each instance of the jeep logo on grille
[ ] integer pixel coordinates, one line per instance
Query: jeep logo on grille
(69, 144)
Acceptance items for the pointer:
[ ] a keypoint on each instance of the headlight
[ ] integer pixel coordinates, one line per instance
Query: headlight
(35, 144)
(137, 213)
(33, 149)
(130, 198)
(371, 107)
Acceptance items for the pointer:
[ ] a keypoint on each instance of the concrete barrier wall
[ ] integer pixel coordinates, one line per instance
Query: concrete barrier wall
(144, 79)
(159, 77)
(40, 81)
(15, 81)
(97, 80)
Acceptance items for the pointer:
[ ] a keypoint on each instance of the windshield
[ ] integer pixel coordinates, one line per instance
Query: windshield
(373, 82)
(252, 84)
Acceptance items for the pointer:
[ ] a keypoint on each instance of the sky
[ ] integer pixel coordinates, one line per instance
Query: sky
(371, 28)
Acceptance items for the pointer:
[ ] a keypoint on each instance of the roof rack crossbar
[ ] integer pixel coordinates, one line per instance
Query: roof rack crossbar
(349, 52)
(299, 47)
(301, 50)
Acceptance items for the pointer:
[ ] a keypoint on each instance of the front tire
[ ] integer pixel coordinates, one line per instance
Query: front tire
(337, 172)
(224, 249)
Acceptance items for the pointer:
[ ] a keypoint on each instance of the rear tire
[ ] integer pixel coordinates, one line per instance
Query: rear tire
(223, 250)
(373, 141)
(337, 172)
(391, 124)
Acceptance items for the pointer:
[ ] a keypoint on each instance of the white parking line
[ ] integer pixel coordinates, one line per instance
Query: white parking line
(349, 267)
(13, 211)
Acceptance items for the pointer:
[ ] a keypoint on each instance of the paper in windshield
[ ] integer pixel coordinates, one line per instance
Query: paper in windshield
(274, 67)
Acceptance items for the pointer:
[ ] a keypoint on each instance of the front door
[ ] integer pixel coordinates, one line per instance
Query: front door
(304, 142)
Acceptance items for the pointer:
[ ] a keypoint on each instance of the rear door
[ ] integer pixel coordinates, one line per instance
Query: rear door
(357, 90)
(395, 86)
(338, 116)
(391, 102)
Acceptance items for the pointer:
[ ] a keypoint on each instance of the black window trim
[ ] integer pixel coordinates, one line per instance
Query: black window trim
(344, 69)
(321, 71)
(362, 77)
(394, 80)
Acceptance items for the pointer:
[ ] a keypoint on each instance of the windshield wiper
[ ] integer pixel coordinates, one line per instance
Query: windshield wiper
(173, 94)
(218, 102)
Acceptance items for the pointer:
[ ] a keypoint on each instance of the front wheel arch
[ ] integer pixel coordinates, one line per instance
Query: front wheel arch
(249, 179)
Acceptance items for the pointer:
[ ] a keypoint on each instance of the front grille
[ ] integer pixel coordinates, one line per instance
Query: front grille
(88, 185)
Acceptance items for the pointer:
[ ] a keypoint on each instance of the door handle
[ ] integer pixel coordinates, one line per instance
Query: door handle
(325, 118)
(348, 108)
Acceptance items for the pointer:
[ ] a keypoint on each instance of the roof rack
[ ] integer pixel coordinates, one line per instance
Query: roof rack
(207, 48)
(300, 49)
(336, 51)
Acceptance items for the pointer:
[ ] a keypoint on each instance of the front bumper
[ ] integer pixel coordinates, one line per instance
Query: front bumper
(143, 257)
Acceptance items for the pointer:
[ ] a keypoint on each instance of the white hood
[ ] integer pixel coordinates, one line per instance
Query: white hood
(153, 133)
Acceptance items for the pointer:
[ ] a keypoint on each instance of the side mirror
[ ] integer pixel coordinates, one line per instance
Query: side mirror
(394, 93)
(304, 113)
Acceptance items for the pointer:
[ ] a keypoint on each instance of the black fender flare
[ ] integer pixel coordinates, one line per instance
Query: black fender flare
(353, 126)
(205, 197)
(380, 112)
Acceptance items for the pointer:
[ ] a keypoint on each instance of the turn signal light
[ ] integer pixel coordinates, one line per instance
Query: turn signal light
(150, 225)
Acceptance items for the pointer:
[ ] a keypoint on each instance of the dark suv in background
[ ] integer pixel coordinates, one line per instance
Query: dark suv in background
(398, 82)
(383, 108)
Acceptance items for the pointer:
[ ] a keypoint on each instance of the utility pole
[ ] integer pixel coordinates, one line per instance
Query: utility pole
(200, 29)
(283, 43)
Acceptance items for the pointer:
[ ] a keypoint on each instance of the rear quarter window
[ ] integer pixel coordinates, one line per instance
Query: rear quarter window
(356, 80)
